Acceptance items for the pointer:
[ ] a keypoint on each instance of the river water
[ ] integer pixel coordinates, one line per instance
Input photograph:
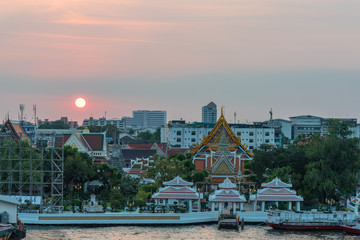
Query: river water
(208, 231)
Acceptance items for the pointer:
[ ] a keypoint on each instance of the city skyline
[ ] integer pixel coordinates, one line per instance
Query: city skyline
(298, 58)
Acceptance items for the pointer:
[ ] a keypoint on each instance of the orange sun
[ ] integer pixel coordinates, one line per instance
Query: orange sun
(80, 102)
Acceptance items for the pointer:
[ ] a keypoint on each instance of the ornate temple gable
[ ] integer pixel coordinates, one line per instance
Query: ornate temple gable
(223, 155)
(223, 169)
(74, 142)
(214, 137)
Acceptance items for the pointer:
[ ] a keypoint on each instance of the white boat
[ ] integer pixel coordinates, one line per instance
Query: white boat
(309, 220)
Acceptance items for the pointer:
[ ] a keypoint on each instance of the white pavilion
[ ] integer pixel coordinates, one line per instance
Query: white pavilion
(227, 194)
(276, 191)
(177, 190)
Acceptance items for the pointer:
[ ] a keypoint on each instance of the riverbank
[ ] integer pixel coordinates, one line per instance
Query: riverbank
(69, 218)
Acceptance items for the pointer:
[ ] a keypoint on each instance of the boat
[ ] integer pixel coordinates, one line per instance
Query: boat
(351, 229)
(5, 231)
(310, 220)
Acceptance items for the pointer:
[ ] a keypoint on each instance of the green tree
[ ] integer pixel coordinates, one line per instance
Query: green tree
(78, 167)
(54, 125)
(149, 137)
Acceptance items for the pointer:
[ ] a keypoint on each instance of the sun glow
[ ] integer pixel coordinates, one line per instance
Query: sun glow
(80, 102)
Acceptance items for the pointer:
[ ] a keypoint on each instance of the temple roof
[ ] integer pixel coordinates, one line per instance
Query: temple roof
(16, 130)
(227, 184)
(276, 183)
(178, 182)
(91, 141)
(216, 134)
(277, 191)
(227, 193)
(171, 192)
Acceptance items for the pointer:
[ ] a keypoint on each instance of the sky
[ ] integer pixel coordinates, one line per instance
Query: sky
(294, 57)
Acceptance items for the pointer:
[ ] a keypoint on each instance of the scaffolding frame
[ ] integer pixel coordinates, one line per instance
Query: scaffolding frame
(29, 171)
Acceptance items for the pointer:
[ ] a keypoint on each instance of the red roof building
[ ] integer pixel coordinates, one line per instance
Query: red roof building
(227, 193)
(92, 143)
(177, 190)
(16, 131)
(276, 191)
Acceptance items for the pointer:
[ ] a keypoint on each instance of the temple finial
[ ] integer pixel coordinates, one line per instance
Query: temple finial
(222, 111)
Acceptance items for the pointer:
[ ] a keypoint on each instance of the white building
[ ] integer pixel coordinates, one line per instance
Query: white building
(145, 119)
(209, 113)
(180, 134)
(9, 205)
(120, 124)
(308, 124)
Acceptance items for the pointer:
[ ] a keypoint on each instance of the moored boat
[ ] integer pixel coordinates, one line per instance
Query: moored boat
(309, 220)
(351, 229)
(5, 231)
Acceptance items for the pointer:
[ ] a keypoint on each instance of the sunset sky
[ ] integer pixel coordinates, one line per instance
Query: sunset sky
(296, 57)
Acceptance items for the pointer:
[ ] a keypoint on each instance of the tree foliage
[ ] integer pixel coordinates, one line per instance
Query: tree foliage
(149, 137)
(54, 125)
(177, 165)
(78, 166)
(319, 167)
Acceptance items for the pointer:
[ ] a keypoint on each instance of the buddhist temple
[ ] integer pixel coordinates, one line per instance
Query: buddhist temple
(221, 154)
(139, 165)
(177, 190)
(276, 191)
(94, 144)
(227, 194)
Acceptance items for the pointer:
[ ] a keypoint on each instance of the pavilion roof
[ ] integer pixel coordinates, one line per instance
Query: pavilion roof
(277, 194)
(276, 183)
(178, 181)
(171, 192)
(226, 195)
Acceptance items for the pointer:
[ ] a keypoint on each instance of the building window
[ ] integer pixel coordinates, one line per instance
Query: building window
(251, 133)
(178, 140)
(251, 140)
(178, 133)
(267, 140)
(193, 140)
(251, 147)
(193, 133)
(267, 134)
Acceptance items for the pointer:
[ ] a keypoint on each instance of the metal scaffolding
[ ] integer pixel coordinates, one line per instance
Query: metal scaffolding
(29, 171)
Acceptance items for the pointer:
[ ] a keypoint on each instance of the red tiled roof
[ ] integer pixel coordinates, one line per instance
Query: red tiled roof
(59, 140)
(95, 141)
(172, 151)
(276, 183)
(277, 199)
(177, 181)
(177, 190)
(227, 199)
(162, 146)
(193, 196)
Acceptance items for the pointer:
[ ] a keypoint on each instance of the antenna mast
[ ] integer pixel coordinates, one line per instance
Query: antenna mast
(22, 108)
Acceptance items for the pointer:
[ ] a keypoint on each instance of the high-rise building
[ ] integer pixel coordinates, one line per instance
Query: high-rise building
(209, 113)
(146, 119)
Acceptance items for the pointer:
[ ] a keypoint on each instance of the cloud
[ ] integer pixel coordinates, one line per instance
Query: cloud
(78, 37)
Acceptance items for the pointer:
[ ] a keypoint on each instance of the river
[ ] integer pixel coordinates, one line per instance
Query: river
(208, 231)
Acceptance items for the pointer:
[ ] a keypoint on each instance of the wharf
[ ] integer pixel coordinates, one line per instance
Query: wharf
(69, 218)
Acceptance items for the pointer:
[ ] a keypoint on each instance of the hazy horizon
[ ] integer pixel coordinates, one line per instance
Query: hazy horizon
(298, 58)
